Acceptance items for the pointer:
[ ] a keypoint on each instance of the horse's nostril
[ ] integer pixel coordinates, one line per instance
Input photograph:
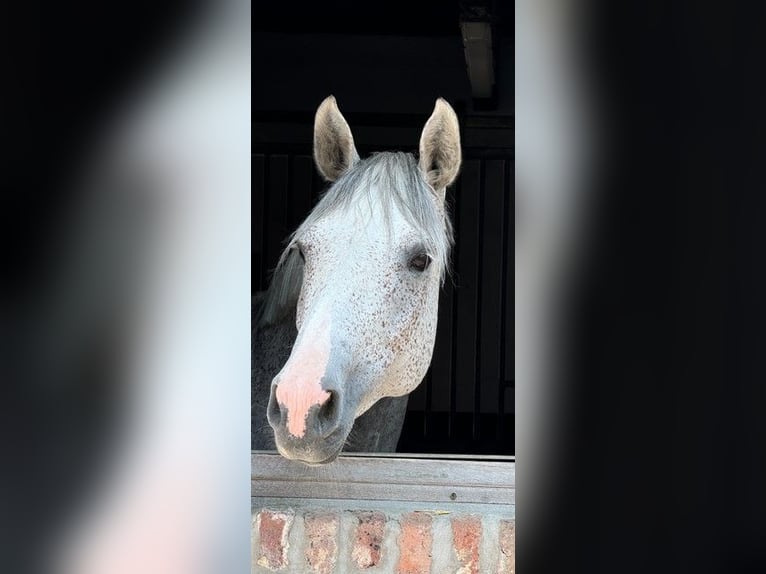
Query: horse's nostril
(274, 411)
(327, 408)
(329, 412)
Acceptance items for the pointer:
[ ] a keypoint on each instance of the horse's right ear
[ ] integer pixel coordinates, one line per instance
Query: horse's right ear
(334, 151)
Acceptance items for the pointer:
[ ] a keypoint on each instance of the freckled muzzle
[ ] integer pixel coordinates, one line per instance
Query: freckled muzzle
(319, 436)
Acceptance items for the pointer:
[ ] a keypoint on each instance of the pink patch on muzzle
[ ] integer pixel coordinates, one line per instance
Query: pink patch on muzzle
(299, 384)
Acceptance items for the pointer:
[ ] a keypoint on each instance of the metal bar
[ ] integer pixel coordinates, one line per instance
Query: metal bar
(503, 302)
(453, 334)
(476, 420)
(428, 408)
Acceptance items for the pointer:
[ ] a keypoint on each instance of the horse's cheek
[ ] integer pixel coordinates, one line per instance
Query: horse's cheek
(411, 346)
(305, 296)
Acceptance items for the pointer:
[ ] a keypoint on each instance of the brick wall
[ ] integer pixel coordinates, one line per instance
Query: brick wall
(383, 515)
(328, 540)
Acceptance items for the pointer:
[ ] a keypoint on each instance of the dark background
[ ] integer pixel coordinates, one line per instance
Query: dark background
(386, 72)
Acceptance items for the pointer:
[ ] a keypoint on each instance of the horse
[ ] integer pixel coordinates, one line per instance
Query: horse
(346, 329)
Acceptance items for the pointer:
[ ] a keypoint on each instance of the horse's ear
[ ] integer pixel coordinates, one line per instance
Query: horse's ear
(334, 151)
(440, 154)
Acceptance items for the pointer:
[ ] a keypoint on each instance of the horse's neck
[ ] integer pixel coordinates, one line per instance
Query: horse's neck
(378, 429)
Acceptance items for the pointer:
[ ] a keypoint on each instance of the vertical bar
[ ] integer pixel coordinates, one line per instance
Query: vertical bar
(480, 242)
(492, 286)
(505, 358)
(508, 282)
(453, 315)
(466, 316)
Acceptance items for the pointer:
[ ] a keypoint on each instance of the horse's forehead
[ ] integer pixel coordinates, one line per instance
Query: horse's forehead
(356, 257)
(365, 228)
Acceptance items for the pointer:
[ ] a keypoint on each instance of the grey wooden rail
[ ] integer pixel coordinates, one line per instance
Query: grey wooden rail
(440, 479)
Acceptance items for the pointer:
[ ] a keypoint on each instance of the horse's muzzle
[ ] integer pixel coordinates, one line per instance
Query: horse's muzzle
(324, 433)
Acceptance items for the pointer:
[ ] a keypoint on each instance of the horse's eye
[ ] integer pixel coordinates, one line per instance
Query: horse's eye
(420, 262)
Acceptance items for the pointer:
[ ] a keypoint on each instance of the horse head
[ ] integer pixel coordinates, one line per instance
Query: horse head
(363, 272)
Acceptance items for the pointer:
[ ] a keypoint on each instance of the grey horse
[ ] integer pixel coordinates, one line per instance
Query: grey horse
(346, 329)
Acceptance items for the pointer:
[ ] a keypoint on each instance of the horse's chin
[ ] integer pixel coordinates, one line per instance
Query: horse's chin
(323, 462)
(310, 458)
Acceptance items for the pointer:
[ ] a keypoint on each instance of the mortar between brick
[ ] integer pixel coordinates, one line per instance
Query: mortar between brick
(443, 559)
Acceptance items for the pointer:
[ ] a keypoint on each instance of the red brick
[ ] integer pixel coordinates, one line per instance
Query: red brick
(507, 547)
(368, 539)
(415, 544)
(322, 543)
(274, 528)
(466, 538)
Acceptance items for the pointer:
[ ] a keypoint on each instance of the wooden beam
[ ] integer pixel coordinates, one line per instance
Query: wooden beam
(477, 42)
(477, 25)
(444, 481)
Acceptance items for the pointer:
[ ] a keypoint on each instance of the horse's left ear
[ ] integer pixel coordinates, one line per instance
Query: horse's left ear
(440, 154)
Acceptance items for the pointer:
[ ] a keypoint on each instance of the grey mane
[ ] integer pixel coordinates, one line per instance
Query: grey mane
(397, 182)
